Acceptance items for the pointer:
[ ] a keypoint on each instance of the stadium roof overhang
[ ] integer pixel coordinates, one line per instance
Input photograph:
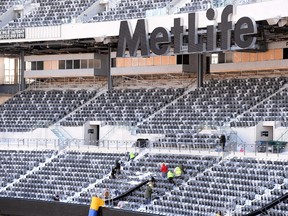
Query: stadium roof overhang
(52, 47)
(96, 37)
(266, 34)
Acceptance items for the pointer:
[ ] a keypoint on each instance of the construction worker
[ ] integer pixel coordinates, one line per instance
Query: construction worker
(113, 173)
(170, 177)
(118, 166)
(106, 194)
(164, 170)
(178, 171)
(131, 156)
(148, 193)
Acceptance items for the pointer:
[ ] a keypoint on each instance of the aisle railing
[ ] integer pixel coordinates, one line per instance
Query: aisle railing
(263, 149)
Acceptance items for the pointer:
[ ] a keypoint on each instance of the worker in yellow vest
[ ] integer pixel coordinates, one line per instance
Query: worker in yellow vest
(178, 171)
(131, 156)
(170, 177)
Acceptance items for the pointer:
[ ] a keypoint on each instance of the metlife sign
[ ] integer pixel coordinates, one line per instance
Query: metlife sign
(159, 41)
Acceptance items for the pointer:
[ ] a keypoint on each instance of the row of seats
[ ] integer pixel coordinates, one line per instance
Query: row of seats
(126, 105)
(39, 108)
(192, 140)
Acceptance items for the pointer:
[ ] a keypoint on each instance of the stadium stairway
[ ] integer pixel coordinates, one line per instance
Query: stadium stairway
(93, 185)
(60, 132)
(9, 13)
(100, 91)
(191, 88)
(77, 195)
(123, 183)
(174, 5)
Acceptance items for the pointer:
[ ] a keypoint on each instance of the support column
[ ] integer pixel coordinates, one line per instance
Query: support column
(200, 70)
(109, 77)
(16, 71)
(21, 71)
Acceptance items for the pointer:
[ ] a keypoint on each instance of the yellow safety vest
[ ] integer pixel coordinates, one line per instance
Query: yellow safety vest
(132, 155)
(170, 174)
(178, 171)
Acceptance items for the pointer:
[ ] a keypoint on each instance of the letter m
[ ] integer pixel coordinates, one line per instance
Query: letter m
(138, 40)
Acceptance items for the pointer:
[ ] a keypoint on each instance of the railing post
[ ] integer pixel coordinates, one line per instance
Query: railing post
(136, 147)
(278, 150)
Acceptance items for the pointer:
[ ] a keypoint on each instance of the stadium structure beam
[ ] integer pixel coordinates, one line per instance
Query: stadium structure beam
(109, 78)
(21, 70)
(200, 70)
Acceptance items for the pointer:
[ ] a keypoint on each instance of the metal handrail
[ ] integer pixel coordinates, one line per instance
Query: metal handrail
(128, 145)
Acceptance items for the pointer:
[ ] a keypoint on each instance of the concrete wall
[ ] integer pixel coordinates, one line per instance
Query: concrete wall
(265, 127)
(89, 72)
(250, 135)
(146, 70)
(24, 207)
(247, 135)
(111, 133)
(40, 133)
